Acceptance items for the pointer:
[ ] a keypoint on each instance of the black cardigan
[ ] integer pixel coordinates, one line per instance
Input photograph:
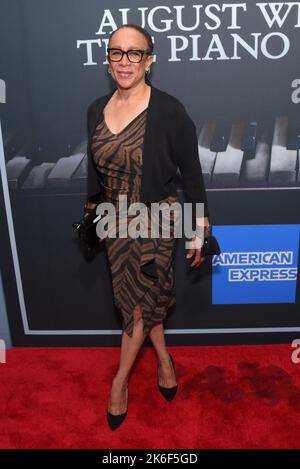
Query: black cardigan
(170, 142)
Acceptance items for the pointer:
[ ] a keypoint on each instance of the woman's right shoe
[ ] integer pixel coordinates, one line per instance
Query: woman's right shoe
(115, 421)
(168, 393)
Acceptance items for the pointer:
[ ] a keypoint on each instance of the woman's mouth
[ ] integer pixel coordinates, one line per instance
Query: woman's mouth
(124, 74)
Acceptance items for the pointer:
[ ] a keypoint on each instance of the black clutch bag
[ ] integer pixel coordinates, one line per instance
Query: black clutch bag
(210, 246)
(86, 229)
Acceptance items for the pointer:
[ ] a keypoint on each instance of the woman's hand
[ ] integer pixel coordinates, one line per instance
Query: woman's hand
(197, 242)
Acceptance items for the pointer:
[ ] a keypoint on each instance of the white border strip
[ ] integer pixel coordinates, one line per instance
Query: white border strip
(11, 232)
(233, 330)
(28, 331)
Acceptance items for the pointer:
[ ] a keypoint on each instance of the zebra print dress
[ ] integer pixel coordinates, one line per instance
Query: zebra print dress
(142, 268)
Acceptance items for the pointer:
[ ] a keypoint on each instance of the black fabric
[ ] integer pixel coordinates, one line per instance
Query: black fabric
(170, 143)
(86, 230)
(210, 246)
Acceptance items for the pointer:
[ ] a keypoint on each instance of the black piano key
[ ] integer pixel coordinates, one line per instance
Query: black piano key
(293, 134)
(228, 164)
(255, 169)
(79, 178)
(221, 136)
(250, 138)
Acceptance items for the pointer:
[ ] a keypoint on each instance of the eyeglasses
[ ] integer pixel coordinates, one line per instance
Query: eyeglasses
(133, 55)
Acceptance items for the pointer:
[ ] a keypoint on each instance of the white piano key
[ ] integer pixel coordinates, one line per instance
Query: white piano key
(255, 170)
(15, 169)
(228, 163)
(283, 164)
(206, 156)
(61, 175)
(37, 177)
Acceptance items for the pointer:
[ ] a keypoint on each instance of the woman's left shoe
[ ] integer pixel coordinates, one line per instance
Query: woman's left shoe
(168, 393)
(115, 421)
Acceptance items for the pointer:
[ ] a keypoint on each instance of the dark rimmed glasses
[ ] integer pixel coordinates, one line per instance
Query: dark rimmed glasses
(133, 55)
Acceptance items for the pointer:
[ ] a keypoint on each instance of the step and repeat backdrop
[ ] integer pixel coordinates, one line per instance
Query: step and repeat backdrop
(235, 67)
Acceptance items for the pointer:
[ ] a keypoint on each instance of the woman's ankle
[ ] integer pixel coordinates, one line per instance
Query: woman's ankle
(163, 359)
(120, 382)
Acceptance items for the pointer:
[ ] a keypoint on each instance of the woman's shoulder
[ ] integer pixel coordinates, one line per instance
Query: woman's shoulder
(159, 93)
(172, 108)
(98, 102)
(161, 100)
(168, 99)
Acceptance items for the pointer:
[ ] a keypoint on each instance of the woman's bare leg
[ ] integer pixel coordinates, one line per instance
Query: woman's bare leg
(130, 347)
(166, 374)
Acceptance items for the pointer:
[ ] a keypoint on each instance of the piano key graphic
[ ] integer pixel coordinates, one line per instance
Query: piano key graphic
(256, 154)
(206, 155)
(17, 169)
(256, 162)
(293, 137)
(79, 178)
(36, 178)
(228, 163)
(220, 137)
(61, 175)
(283, 165)
(255, 170)
(250, 137)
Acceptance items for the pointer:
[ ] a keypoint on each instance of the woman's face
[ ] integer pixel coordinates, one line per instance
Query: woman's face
(125, 73)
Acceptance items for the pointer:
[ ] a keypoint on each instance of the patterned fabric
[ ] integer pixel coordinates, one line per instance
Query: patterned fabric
(142, 268)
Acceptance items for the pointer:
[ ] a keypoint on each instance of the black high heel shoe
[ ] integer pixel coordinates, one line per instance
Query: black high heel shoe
(168, 393)
(115, 421)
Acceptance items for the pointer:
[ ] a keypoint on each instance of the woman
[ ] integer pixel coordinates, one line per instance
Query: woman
(130, 133)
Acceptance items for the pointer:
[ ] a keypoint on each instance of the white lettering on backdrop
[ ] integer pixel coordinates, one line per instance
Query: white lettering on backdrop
(195, 30)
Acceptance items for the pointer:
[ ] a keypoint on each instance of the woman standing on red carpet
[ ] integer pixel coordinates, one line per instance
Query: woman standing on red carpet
(137, 137)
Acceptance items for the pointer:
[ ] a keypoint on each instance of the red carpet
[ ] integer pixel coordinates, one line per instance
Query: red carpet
(228, 397)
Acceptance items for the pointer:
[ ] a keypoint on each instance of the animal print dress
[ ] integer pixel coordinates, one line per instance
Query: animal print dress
(142, 267)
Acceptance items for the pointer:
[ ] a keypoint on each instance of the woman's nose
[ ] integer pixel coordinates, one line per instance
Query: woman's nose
(125, 59)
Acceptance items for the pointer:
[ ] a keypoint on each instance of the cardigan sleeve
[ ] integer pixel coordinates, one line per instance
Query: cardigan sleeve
(188, 161)
(93, 179)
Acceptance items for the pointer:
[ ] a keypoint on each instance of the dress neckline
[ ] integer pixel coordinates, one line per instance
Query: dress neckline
(127, 126)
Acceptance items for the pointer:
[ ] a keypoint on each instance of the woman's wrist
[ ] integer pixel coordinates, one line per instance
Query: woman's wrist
(90, 205)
